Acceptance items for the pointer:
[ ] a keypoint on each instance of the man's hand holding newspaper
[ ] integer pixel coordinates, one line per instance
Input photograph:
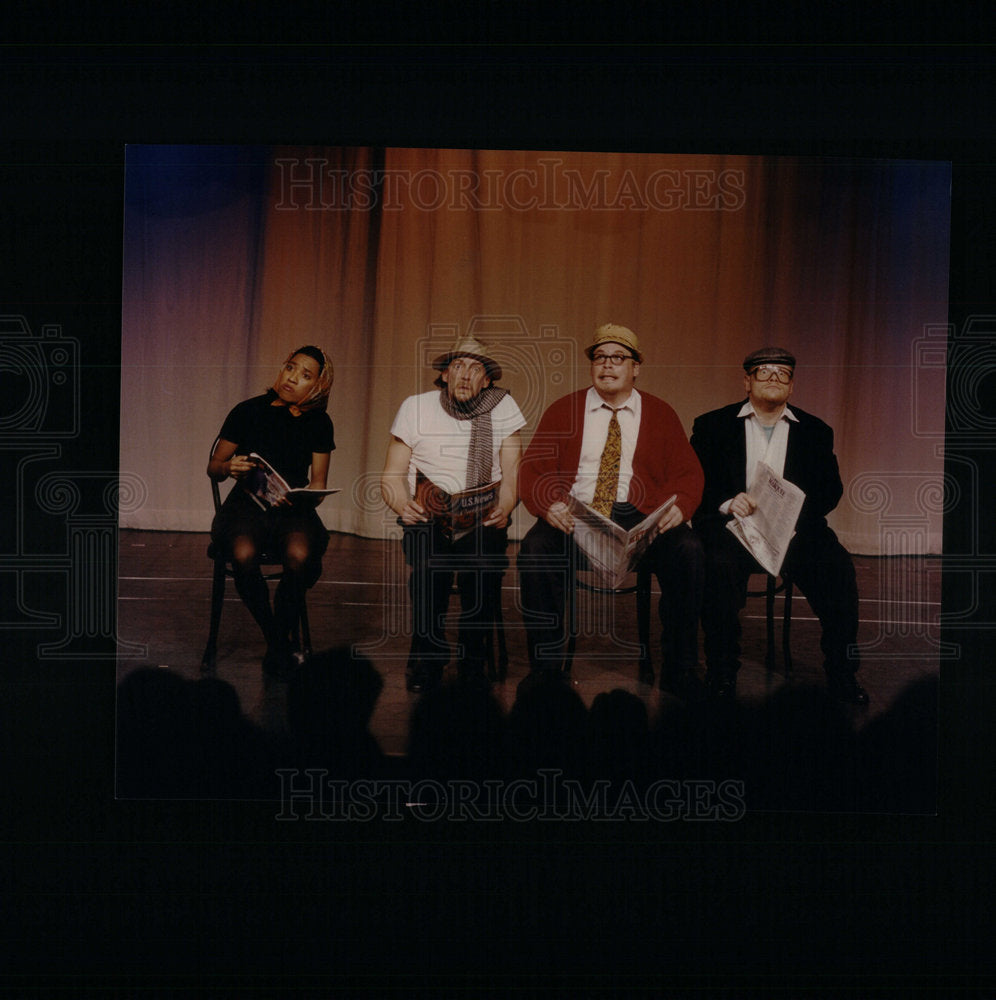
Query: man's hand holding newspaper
(773, 504)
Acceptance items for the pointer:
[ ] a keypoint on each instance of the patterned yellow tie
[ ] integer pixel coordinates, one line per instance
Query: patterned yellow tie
(608, 468)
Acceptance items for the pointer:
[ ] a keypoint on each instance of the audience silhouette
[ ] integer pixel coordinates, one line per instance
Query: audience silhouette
(330, 700)
(796, 750)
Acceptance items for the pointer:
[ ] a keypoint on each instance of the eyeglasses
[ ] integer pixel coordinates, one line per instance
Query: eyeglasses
(613, 359)
(767, 372)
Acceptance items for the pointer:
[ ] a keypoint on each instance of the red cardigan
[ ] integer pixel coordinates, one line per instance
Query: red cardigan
(663, 463)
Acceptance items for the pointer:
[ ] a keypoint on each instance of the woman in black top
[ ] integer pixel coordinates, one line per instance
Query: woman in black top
(288, 426)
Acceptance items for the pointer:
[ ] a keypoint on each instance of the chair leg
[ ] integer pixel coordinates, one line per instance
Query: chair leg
(209, 658)
(496, 671)
(305, 627)
(769, 660)
(571, 612)
(502, 645)
(646, 672)
(786, 628)
(572, 622)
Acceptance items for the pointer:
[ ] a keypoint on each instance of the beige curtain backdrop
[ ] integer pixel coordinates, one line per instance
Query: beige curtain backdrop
(235, 256)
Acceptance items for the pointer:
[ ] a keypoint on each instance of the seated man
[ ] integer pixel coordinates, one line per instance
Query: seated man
(444, 442)
(799, 447)
(624, 453)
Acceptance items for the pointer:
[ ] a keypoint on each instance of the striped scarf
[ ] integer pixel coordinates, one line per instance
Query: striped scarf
(478, 412)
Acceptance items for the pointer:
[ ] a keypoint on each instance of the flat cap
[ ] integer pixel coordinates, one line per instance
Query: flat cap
(769, 356)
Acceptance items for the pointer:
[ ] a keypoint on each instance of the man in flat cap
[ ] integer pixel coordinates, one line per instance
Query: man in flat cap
(798, 447)
(450, 449)
(624, 453)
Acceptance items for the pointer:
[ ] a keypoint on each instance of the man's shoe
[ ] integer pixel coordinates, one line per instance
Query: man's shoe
(844, 687)
(416, 679)
(539, 677)
(278, 664)
(472, 674)
(422, 677)
(722, 687)
(683, 684)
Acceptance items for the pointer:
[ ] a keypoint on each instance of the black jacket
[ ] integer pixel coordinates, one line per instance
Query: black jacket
(720, 442)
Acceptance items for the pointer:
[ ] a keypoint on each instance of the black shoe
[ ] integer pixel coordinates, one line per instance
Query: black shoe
(279, 664)
(538, 677)
(416, 678)
(722, 686)
(422, 677)
(843, 687)
(471, 673)
(683, 684)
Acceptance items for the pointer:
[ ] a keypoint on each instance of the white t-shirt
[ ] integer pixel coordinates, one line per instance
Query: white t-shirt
(440, 443)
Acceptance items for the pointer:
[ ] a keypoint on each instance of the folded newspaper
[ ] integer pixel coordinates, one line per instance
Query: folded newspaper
(456, 513)
(268, 488)
(766, 532)
(612, 551)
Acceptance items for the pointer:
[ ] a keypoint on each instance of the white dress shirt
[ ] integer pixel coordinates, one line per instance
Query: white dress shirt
(761, 448)
(597, 414)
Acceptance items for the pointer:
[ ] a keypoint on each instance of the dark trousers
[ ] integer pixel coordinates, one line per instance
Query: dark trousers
(815, 562)
(478, 561)
(544, 564)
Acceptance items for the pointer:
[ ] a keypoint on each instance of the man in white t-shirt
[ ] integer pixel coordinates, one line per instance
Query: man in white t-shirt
(460, 441)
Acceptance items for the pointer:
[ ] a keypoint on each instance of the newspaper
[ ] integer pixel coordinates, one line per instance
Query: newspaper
(612, 551)
(268, 488)
(767, 532)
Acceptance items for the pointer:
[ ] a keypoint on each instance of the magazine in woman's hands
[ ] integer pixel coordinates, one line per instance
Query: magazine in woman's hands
(269, 489)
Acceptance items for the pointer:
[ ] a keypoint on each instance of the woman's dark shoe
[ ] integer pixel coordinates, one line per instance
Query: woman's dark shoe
(843, 687)
(422, 676)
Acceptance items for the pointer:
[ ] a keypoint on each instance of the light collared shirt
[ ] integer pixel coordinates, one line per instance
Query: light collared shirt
(762, 448)
(597, 414)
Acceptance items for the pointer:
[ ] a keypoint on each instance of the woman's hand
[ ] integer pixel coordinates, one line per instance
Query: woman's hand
(240, 465)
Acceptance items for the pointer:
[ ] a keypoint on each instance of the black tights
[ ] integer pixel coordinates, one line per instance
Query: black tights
(298, 576)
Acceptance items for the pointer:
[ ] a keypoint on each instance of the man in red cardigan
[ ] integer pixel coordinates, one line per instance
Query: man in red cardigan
(580, 437)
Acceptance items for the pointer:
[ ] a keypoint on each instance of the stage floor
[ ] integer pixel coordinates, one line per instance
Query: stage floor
(362, 602)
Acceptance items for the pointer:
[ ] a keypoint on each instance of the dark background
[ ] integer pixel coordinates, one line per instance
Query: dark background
(158, 895)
